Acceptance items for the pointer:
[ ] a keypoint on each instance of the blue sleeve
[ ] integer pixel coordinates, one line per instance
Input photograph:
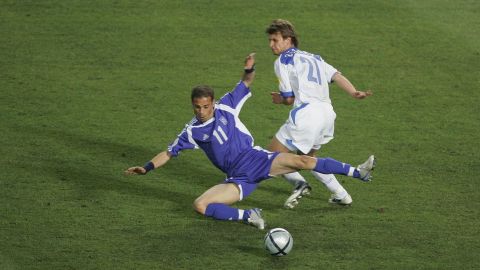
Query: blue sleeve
(183, 141)
(236, 97)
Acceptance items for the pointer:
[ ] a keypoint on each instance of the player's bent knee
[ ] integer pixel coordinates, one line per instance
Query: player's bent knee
(200, 206)
(305, 162)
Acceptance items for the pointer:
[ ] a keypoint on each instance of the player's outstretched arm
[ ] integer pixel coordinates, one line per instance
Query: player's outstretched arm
(249, 68)
(348, 87)
(156, 162)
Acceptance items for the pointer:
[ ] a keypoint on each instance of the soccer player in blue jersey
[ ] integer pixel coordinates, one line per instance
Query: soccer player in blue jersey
(218, 131)
(304, 82)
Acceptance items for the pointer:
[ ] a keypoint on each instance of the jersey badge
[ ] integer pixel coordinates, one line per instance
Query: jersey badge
(223, 120)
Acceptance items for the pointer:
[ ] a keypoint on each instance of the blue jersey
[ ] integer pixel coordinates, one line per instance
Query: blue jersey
(223, 138)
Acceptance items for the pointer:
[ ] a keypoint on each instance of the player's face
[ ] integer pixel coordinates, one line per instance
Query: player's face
(203, 108)
(278, 44)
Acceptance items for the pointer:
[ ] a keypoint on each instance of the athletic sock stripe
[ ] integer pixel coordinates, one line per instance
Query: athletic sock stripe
(350, 171)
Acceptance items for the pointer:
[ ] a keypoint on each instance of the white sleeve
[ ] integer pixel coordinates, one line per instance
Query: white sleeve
(329, 71)
(282, 73)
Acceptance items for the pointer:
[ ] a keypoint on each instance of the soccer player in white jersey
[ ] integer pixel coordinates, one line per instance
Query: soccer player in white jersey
(218, 131)
(304, 82)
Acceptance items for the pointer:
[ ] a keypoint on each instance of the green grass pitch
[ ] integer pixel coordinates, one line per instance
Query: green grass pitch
(89, 88)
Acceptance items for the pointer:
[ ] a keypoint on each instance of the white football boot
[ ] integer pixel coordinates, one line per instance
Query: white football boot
(256, 219)
(366, 169)
(347, 200)
(300, 190)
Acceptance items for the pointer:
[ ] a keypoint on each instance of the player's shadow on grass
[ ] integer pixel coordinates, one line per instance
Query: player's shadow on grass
(88, 184)
(91, 164)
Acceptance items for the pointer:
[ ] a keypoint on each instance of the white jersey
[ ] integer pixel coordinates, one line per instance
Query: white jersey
(304, 76)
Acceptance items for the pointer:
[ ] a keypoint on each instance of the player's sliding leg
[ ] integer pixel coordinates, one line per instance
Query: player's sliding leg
(215, 203)
(332, 166)
(285, 163)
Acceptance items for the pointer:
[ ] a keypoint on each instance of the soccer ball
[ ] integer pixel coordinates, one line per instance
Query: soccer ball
(278, 242)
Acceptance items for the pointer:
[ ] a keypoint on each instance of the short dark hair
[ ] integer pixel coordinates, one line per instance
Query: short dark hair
(202, 91)
(285, 28)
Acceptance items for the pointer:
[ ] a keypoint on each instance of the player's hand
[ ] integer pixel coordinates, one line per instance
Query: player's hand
(276, 98)
(361, 94)
(250, 61)
(135, 171)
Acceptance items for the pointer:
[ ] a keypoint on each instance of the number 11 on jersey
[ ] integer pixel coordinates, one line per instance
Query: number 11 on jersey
(220, 134)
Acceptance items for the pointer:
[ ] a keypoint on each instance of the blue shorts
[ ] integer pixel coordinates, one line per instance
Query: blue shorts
(246, 188)
(250, 169)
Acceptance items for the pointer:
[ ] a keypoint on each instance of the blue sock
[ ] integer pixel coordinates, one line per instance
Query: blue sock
(222, 211)
(246, 215)
(332, 166)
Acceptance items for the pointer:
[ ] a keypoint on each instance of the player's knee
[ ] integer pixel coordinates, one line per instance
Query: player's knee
(200, 206)
(305, 162)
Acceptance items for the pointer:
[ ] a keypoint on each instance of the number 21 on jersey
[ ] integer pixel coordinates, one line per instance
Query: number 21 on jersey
(313, 70)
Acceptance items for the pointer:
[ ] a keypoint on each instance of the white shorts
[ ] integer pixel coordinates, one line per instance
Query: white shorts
(308, 127)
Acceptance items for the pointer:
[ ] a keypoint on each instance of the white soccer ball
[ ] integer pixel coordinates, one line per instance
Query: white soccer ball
(278, 242)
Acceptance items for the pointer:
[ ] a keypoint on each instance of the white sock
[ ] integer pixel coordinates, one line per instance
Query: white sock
(331, 183)
(294, 178)
(241, 212)
(351, 171)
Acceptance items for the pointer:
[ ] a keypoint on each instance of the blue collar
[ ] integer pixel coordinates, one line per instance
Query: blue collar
(286, 57)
